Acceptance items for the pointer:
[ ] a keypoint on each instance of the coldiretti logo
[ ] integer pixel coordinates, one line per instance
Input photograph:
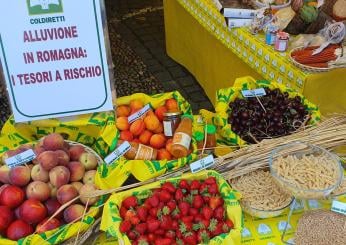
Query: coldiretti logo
(44, 6)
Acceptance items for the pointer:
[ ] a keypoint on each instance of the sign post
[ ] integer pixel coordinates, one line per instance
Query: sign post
(54, 58)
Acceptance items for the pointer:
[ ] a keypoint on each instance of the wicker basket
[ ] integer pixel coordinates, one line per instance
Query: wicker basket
(87, 149)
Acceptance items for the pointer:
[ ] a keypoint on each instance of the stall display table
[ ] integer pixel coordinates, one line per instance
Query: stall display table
(198, 38)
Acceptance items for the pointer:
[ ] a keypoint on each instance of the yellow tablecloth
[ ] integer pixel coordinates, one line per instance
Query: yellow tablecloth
(196, 37)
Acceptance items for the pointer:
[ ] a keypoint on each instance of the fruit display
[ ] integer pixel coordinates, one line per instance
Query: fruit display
(186, 212)
(32, 193)
(147, 132)
(272, 115)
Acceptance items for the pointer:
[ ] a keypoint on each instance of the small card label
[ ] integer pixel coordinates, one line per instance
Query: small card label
(120, 151)
(202, 164)
(135, 116)
(20, 158)
(339, 207)
(254, 92)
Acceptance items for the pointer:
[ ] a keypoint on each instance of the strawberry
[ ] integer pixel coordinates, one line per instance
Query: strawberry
(165, 196)
(164, 241)
(179, 234)
(151, 237)
(213, 189)
(197, 201)
(203, 236)
(143, 240)
(195, 184)
(203, 188)
(132, 235)
(184, 184)
(175, 225)
(141, 228)
(125, 226)
(198, 218)
(147, 203)
(225, 228)
(207, 212)
(166, 222)
(229, 223)
(190, 238)
(205, 222)
(153, 225)
(187, 219)
(170, 234)
(122, 212)
(219, 213)
(176, 213)
(153, 201)
(172, 205)
(210, 180)
(179, 195)
(168, 186)
(193, 211)
(159, 232)
(153, 212)
(206, 199)
(166, 210)
(129, 202)
(212, 225)
(218, 230)
(135, 220)
(215, 202)
(142, 213)
(184, 208)
(129, 214)
(161, 205)
(185, 226)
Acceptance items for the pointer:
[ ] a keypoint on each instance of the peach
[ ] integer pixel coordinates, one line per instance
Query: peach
(63, 157)
(172, 105)
(38, 150)
(66, 193)
(19, 176)
(53, 190)
(88, 188)
(169, 144)
(136, 105)
(53, 142)
(4, 174)
(160, 111)
(75, 152)
(159, 129)
(158, 141)
(123, 111)
(52, 206)
(151, 122)
(47, 225)
(38, 190)
(48, 160)
(89, 161)
(136, 140)
(78, 185)
(39, 174)
(11, 196)
(122, 123)
(144, 138)
(163, 154)
(126, 135)
(77, 171)
(89, 177)
(18, 229)
(59, 176)
(137, 127)
(73, 213)
(32, 211)
(6, 217)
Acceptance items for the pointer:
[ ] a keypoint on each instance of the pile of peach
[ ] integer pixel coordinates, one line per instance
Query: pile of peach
(30, 194)
(148, 130)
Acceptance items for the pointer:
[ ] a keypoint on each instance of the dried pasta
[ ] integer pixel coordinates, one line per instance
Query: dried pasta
(259, 191)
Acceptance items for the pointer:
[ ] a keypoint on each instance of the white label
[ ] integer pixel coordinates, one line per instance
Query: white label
(55, 59)
(20, 158)
(120, 151)
(254, 92)
(137, 115)
(202, 164)
(182, 139)
(167, 128)
(339, 207)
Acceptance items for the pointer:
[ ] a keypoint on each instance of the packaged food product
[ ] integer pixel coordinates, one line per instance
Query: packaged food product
(182, 137)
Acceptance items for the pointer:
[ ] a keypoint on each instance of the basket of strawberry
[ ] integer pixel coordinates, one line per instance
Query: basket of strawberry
(193, 209)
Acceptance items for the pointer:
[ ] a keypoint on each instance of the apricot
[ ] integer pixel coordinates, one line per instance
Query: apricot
(122, 123)
(171, 105)
(136, 140)
(144, 138)
(163, 154)
(169, 145)
(158, 141)
(137, 127)
(160, 111)
(136, 105)
(159, 129)
(126, 135)
(151, 122)
(123, 111)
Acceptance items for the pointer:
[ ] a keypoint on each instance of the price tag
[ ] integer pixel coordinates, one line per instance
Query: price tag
(139, 114)
(120, 151)
(20, 158)
(339, 207)
(254, 93)
(202, 164)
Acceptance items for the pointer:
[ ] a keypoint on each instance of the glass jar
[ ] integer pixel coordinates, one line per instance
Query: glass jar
(211, 139)
(171, 121)
(199, 137)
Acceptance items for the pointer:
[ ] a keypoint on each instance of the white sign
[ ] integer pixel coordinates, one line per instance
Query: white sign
(20, 158)
(339, 207)
(54, 58)
(254, 92)
(202, 164)
(120, 151)
(135, 116)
